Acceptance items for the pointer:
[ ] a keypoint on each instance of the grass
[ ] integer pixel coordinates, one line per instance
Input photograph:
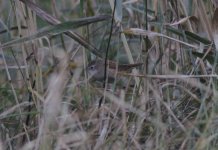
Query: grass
(48, 100)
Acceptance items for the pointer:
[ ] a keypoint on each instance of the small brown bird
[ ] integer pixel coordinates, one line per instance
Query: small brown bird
(95, 69)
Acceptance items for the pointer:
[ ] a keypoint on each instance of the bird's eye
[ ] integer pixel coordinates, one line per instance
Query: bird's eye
(92, 67)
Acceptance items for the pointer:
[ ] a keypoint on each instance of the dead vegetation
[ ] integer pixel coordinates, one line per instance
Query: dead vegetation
(48, 100)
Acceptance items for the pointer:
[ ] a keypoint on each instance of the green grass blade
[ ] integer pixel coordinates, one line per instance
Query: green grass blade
(57, 29)
(197, 38)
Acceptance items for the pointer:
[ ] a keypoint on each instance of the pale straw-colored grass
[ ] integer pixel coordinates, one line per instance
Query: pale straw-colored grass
(48, 100)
